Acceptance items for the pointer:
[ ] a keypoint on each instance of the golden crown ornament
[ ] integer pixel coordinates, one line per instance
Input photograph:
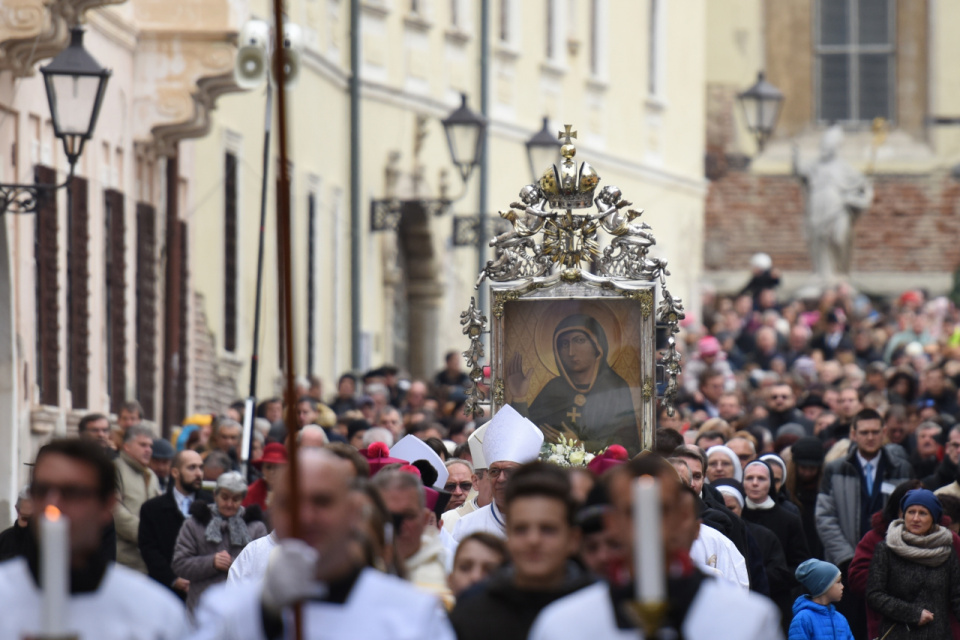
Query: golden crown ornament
(555, 229)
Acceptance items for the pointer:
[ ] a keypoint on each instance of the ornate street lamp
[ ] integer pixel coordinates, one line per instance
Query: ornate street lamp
(465, 134)
(75, 85)
(543, 150)
(761, 106)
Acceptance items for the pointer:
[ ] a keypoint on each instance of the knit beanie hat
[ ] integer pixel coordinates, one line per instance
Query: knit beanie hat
(817, 576)
(925, 499)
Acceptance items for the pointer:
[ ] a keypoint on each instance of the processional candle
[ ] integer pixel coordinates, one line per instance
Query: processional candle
(648, 566)
(54, 570)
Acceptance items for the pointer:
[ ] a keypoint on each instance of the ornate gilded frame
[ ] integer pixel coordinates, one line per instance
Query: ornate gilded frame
(553, 252)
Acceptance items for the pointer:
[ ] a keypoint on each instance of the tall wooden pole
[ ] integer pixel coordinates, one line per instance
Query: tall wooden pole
(285, 273)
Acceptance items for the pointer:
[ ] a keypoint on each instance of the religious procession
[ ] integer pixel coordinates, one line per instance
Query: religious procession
(422, 319)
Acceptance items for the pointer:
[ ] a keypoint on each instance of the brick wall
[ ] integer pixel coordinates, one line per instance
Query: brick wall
(216, 379)
(912, 226)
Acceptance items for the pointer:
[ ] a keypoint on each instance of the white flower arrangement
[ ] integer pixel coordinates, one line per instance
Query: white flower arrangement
(566, 453)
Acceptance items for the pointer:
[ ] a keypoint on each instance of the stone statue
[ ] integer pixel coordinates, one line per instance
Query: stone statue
(836, 193)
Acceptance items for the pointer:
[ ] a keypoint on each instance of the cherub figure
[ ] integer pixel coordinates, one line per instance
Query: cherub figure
(524, 224)
(616, 223)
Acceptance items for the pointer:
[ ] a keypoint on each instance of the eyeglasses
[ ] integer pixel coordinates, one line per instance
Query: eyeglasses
(452, 486)
(68, 493)
(779, 397)
(496, 473)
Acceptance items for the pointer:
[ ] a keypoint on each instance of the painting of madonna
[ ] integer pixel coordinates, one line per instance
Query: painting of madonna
(577, 394)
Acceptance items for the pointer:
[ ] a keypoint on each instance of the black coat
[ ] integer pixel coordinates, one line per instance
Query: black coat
(779, 576)
(497, 610)
(15, 541)
(20, 541)
(945, 474)
(899, 589)
(160, 521)
(788, 529)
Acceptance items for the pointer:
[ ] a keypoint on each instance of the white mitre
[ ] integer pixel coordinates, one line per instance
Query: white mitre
(413, 448)
(511, 438)
(475, 441)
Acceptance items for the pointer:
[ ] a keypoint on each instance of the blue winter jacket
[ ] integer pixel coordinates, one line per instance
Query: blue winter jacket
(812, 621)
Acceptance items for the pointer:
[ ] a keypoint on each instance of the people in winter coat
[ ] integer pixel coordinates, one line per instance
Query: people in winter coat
(804, 471)
(859, 569)
(762, 509)
(214, 535)
(845, 503)
(136, 483)
(914, 581)
(814, 616)
(776, 574)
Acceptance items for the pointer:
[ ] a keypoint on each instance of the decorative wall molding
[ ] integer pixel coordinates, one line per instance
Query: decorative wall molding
(34, 30)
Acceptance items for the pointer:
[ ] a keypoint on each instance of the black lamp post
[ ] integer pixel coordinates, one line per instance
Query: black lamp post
(761, 106)
(75, 85)
(465, 132)
(543, 149)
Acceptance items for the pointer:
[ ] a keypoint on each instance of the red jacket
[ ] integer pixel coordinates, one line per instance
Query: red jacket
(256, 494)
(860, 569)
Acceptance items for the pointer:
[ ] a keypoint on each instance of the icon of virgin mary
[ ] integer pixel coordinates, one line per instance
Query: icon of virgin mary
(587, 400)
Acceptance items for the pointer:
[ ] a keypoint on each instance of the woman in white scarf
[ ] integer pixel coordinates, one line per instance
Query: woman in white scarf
(914, 581)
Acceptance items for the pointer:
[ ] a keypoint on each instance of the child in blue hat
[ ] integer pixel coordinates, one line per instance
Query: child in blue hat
(814, 616)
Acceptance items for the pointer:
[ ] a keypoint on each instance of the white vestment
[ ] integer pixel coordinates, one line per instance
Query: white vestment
(488, 518)
(450, 518)
(251, 564)
(719, 611)
(126, 606)
(379, 606)
(714, 554)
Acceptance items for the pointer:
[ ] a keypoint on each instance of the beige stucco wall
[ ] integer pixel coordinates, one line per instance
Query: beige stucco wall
(650, 146)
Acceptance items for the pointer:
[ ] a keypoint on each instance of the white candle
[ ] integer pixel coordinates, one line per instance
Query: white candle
(54, 570)
(648, 566)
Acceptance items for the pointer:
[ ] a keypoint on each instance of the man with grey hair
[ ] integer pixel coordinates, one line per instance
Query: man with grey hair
(422, 551)
(377, 434)
(226, 438)
(136, 484)
(312, 436)
(15, 540)
(459, 483)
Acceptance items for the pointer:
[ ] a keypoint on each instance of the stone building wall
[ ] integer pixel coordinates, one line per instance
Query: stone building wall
(912, 226)
(215, 378)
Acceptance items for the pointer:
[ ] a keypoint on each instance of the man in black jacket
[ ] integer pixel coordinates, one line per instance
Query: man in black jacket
(542, 538)
(161, 517)
(17, 539)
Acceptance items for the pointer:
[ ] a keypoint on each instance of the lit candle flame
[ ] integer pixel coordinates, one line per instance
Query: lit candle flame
(51, 513)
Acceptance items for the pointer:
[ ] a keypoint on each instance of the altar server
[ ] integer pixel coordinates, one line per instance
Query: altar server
(75, 479)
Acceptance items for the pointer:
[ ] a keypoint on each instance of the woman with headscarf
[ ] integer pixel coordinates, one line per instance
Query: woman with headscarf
(214, 535)
(761, 508)
(781, 495)
(914, 581)
(588, 399)
(722, 462)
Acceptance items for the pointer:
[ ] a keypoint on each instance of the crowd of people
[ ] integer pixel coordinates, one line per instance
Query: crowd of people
(808, 476)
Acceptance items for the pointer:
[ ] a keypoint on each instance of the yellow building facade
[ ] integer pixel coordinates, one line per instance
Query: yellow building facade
(627, 75)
